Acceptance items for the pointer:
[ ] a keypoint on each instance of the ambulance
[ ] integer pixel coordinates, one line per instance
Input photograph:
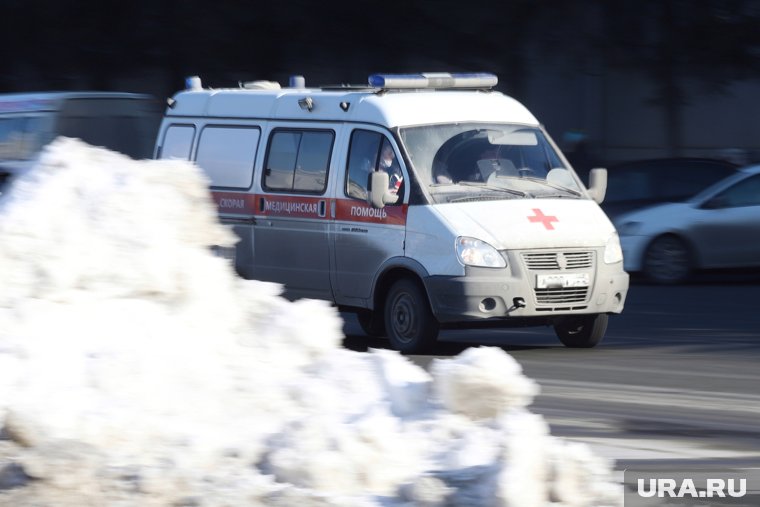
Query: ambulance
(419, 202)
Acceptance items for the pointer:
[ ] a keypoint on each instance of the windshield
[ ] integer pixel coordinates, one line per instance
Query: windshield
(475, 161)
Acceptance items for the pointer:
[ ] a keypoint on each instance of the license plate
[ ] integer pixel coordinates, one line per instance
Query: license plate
(566, 280)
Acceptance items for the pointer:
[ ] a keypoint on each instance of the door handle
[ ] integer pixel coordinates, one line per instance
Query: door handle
(240, 221)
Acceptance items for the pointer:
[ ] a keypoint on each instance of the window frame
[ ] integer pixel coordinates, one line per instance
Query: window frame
(384, 139)
(190, 153)
(302, 131)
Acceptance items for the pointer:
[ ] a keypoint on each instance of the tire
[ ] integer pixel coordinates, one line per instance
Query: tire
(372, 323)
(667, 260)
(583, 331)
(409, 322)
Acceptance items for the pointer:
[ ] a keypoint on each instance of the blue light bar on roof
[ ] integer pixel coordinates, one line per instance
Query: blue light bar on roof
(434, 80)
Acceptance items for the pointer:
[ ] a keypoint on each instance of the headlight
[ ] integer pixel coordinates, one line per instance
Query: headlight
(628, 228)
(474, 252)
(612, 251)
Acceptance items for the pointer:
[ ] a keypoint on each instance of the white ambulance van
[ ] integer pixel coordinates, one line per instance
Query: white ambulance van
(123, 122)
(420, 202)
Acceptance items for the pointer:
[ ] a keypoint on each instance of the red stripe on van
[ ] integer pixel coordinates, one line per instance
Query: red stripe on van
(292, 206)
(240, 203)
(347, 210)
(350, 210)
(235, 202)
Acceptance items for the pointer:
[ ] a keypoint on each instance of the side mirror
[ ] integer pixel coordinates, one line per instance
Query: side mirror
(379, 195)
(598, 184)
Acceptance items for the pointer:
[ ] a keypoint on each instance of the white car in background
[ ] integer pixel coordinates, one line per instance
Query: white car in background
(717, 228)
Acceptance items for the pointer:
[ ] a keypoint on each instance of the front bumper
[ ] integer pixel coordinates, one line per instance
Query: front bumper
(513, 292)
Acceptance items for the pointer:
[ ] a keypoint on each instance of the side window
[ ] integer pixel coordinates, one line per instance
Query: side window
(371, 151)
(178, 140)
(120, 124)
(362, 160)
(227, 154)
(298, 160)
(744, 193)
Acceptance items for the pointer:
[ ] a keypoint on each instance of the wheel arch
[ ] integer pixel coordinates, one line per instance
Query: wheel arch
(396, 269)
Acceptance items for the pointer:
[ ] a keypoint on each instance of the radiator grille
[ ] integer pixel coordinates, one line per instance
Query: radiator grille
(543, 261)
(561, 296)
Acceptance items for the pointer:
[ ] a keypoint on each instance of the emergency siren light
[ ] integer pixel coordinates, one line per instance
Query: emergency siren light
(434, 80)
(193, 83)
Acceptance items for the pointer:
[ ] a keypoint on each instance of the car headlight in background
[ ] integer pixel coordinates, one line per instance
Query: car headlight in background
(474, 252)
(612, 251)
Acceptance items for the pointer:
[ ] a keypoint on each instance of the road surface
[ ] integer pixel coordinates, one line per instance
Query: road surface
(676, 380)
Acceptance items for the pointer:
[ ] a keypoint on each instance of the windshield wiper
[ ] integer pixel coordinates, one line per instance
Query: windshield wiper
(555, 186)
(557, 196)
(489, 187)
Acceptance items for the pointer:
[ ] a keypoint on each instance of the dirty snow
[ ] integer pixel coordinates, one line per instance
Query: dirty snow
(136, 369)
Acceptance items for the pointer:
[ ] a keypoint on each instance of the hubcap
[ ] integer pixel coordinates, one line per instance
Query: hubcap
(403, 318)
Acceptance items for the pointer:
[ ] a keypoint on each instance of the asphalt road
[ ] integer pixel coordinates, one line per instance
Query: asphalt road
(676, 379)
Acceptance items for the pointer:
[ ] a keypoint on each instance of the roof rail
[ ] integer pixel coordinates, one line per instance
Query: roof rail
(347, 87)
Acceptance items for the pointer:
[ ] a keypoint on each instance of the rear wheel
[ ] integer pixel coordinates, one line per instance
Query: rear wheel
(409, 322)
(582, 331)
(667, 260)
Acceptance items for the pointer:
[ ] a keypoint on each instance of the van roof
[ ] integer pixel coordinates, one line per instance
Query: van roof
(52, 100)
(390, 108)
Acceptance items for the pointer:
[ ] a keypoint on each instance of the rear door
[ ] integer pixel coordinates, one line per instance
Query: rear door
(226, 151)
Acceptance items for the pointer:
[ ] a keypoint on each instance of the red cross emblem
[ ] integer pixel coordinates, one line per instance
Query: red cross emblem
(544, 219)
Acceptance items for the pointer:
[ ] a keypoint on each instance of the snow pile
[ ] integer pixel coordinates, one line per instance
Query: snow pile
(136, 369)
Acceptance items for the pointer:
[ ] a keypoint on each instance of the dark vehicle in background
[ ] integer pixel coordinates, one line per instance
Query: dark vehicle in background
(123, 122)
(641, 183)
(717, 228)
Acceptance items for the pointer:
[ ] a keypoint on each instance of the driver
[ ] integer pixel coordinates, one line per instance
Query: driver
(390, 165)
(490, 163)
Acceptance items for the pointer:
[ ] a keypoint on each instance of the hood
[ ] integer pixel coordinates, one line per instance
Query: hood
(619, 208)
(531, 223)
(658, 212)
(658, 217)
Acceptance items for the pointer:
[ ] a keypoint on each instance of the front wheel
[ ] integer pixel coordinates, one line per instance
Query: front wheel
(409, 322)
(667, 260)
(582, 331)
